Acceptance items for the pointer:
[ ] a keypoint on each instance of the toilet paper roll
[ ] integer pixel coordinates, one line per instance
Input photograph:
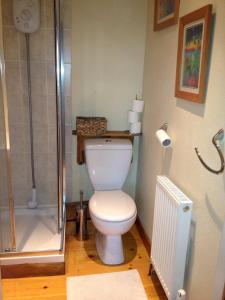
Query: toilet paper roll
(138, 105)
(135, 127)
(133, 116)
(163, 138)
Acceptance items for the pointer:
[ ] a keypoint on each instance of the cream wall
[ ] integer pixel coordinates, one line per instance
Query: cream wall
(108, 44)
(190, 125)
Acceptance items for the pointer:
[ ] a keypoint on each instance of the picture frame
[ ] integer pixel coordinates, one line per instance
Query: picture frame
(192, 54)
(166, 13)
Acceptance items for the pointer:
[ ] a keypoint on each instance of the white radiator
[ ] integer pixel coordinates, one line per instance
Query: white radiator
(171, 226)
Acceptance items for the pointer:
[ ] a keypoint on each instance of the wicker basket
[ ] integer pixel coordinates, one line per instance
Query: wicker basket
(91, 125)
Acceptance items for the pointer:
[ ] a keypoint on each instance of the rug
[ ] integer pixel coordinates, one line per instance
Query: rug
(125, 285)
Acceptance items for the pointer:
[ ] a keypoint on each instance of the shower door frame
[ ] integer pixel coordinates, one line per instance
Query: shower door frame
(8, 155)
(60, 108)
(60, 116)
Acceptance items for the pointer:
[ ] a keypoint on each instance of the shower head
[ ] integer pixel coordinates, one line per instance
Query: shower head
(26, 15)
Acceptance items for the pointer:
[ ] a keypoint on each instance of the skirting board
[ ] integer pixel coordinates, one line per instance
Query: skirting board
(143, 234)
(33, 270)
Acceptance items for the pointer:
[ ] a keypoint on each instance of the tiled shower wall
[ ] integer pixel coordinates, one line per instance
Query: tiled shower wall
(3, 162)
(42, 54)
(3, 166)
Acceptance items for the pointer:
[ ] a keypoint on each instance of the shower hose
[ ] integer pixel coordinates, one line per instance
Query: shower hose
(30, 110)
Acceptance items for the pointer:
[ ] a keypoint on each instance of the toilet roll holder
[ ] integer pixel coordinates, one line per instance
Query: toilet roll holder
(163, 137)
(215, 140)
(164, 127)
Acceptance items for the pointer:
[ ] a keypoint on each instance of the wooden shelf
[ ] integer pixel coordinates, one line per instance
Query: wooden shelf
(108, 134)
(111, 133)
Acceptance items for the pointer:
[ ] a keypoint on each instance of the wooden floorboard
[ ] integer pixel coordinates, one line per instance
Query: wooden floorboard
(32, 270)
(81, 259)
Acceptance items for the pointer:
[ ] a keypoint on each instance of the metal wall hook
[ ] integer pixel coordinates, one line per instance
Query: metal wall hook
(215, 140)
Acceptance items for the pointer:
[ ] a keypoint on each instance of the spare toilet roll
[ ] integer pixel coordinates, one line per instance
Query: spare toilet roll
(138, 105)
(135, 127)
(133, 116)
(163, 138)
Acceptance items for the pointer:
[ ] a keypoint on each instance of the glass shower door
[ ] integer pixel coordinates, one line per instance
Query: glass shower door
(7, 217)
(7, 240)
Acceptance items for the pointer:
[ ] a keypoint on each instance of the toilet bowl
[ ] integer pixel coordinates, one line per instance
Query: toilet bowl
(112, 211)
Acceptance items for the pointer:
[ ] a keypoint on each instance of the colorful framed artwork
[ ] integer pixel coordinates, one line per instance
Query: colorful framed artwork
(192, 54)
(166, 13)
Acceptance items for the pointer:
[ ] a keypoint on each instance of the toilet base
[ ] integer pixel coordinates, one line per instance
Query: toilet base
(110, 248)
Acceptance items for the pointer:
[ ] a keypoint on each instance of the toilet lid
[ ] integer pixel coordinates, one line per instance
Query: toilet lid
(112, 205)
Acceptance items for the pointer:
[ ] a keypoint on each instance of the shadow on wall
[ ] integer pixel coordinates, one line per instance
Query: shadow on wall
(190, 256)
(212, 212)
(191, 107)
(219, 288)
(166, 160)
(191, 249)
(220, 270)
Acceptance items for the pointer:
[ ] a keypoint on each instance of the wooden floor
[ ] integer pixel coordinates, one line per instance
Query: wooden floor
(81, 258)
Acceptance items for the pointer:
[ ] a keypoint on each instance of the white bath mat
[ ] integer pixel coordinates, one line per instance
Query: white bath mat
(124, 285)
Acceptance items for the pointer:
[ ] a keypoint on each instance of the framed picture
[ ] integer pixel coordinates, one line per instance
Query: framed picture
(192, 54)
(166, 13)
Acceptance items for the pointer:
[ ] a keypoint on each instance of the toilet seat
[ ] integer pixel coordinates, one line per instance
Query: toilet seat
(112, 206)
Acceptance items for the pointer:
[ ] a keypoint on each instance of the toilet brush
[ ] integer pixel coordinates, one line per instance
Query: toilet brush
(82, 220)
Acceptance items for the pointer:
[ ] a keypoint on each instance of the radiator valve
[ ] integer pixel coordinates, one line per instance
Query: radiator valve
(181, 295)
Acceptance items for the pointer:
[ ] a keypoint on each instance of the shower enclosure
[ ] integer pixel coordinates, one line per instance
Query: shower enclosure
(40, 229)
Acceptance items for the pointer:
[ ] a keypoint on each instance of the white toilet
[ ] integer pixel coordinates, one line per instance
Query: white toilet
(112, 211)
